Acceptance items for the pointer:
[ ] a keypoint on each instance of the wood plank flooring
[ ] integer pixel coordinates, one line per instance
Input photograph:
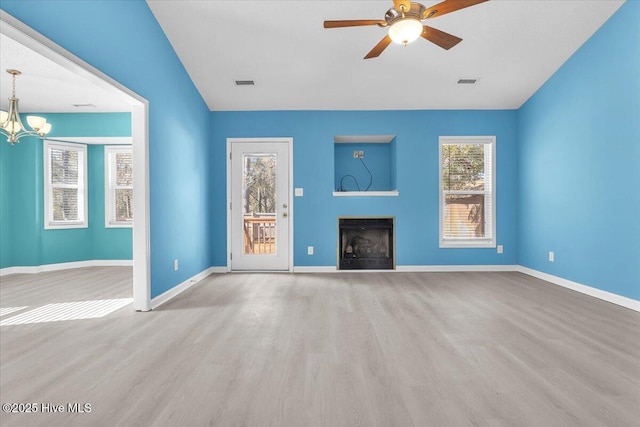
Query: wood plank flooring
(369, 349)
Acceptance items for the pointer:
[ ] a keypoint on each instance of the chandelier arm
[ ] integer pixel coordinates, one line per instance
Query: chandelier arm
(15, 138)
(12, 127)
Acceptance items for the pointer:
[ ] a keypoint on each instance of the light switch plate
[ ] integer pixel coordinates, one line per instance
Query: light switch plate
(299, 192)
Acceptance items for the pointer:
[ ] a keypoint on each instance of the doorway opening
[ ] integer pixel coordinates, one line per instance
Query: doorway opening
(31, 39)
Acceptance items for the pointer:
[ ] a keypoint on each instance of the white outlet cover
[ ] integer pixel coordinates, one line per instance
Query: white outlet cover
(500, 249)
(309, 250)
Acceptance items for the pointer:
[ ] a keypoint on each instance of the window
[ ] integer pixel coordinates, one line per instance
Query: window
(467, 192)
(65, 185)
(118, 186)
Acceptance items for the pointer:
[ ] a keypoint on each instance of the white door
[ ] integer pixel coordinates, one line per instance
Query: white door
(259, 205)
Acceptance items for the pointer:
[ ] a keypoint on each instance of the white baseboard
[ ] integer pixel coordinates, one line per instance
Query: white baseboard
(454, 268)
(315, 269)
(65, 266)
(409, 268)
(584, 289)
(178, 289)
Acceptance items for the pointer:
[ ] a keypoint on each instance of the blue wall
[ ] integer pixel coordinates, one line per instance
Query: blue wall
(377, 158)
(6, 252)
(123, 40)
(416, 149)
(25, 241)
(579, 157)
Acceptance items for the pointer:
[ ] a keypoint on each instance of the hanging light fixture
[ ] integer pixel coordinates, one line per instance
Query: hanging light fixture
(11, 125)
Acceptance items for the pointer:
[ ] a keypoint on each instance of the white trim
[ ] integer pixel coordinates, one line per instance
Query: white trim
(363, 139)
(66, 266)
(141, 208)
(316, 269)
(28, 37)
(176, 290)
(583, 289)
(409, 268)
(289, 141)
(454, 268)
(94, 140)
(366, 193)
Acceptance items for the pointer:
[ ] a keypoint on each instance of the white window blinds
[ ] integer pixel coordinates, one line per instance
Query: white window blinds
(119, 186)
(65, 185)
(467, 192)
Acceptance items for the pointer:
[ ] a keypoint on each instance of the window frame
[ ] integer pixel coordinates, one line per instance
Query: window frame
(109, 191)
(490, 224)
(83, 196)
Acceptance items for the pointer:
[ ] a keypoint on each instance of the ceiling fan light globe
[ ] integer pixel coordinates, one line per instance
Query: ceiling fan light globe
(405, 30)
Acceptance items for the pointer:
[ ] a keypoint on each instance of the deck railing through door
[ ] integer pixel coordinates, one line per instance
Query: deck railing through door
(259, 234)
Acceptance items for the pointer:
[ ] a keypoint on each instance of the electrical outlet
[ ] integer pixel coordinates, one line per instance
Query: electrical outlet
(309, 250)
(551, 256)
(175, 264)
(355, 154)
(500, 249)
(361, 154)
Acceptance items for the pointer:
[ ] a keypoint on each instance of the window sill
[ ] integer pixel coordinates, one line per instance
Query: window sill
(467, 245)
(391, 193)
(59, 226)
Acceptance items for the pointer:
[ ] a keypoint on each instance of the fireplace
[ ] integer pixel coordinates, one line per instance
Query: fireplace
(366, 244)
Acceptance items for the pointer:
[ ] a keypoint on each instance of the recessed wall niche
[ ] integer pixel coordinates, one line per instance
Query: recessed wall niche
(364, 165)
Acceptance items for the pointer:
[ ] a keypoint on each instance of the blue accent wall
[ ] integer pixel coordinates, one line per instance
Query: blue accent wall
(124, 40)
(25, 241)
(6, 250)
(377, 158)
(579, 157)
(416, 150)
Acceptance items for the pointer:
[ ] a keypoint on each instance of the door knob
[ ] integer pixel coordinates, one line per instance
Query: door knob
(284, 215)
(284, 205)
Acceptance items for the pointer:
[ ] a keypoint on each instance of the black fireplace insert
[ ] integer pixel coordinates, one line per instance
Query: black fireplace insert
(365, 244)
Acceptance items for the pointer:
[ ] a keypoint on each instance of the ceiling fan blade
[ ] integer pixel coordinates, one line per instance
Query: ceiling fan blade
(353, 23)
(442, 39)
(448, 6)
(377, 50)
(400, 4)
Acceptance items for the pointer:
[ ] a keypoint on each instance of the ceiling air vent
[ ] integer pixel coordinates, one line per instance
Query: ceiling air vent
(467, 81)
(245, 83)
(84, 105)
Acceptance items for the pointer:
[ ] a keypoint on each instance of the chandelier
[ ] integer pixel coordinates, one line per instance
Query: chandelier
(11, 125)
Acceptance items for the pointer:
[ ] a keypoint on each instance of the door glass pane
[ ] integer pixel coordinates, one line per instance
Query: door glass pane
(259, 203)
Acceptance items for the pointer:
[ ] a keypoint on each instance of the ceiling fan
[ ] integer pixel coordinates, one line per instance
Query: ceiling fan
(404, 21)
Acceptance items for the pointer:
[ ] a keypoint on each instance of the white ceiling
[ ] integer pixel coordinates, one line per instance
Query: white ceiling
(47, 87)
(513, 47)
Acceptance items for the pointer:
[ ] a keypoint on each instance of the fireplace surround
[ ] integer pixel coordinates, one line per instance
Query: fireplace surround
(366, 243)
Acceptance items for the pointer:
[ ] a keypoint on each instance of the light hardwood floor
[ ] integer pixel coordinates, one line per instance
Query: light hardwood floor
(369, 349)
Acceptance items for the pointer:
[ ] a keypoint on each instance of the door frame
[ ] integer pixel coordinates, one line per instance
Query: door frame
(289, 142)
(32, 39)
